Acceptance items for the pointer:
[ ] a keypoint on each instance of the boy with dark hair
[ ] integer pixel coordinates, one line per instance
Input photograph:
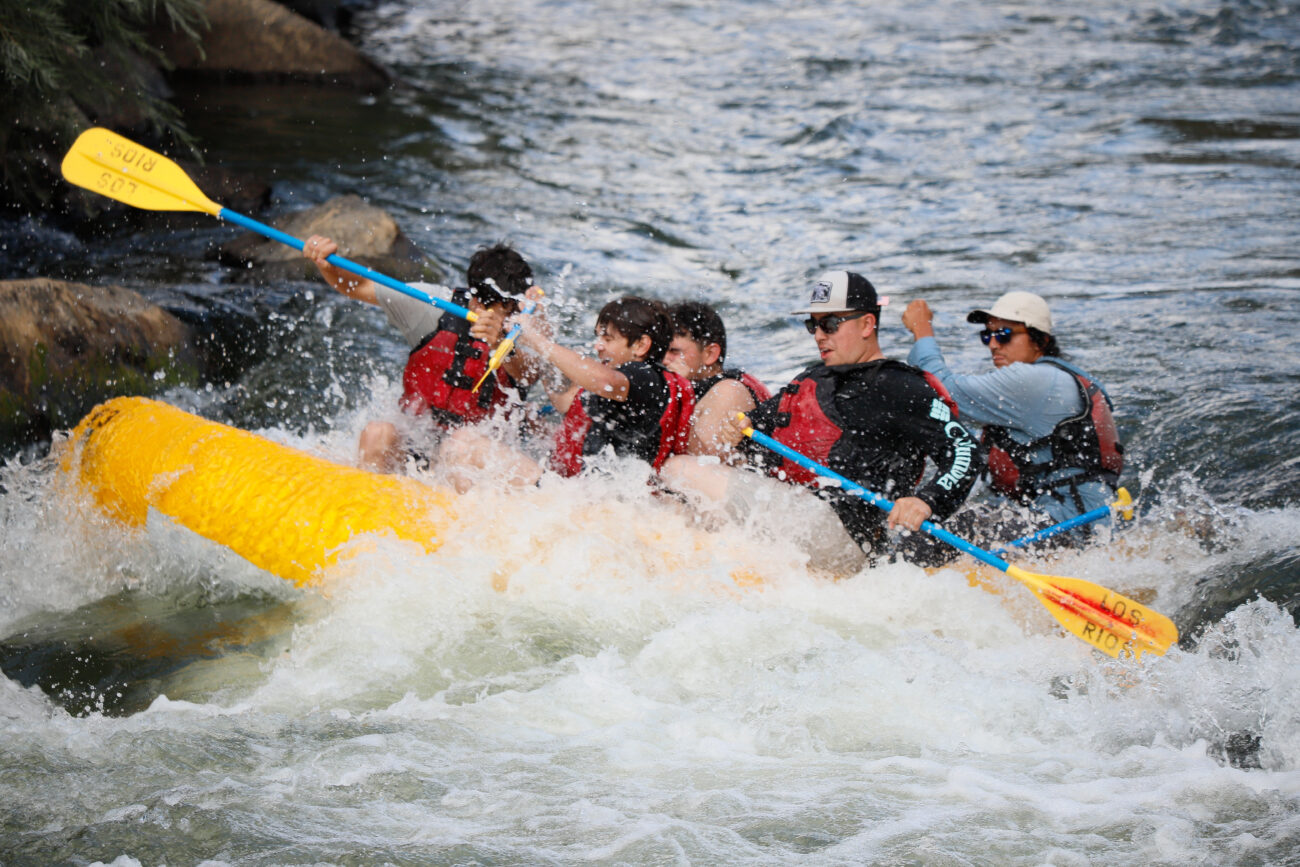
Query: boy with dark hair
(623, 401)
(448, 354)
(698, 351)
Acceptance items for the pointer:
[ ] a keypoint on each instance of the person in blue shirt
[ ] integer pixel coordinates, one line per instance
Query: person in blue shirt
(1048, 429)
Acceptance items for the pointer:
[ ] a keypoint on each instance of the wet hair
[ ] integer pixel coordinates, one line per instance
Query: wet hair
(495, 273)
(701, 323)
(1045, 342)
(637, 317)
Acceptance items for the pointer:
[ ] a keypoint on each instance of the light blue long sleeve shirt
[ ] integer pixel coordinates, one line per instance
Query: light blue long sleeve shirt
(1030, 400)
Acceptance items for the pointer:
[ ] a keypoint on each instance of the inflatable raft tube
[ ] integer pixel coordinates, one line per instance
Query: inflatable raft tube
(284, 510)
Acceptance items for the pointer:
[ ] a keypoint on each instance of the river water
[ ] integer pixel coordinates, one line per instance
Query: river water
(573, 677)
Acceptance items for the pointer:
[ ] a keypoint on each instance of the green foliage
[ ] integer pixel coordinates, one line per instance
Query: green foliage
(65, 64)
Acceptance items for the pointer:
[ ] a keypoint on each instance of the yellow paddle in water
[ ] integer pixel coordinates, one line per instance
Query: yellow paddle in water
(106, 163)
(1110, 622)
(503, 348)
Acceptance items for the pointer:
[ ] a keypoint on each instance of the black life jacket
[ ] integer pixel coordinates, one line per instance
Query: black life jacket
(1087, 441)
(809, 423)
(576, 437)
(441, 372)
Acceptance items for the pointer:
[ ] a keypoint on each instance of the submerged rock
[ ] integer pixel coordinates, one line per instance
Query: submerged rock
(365, 234)
(65, 347)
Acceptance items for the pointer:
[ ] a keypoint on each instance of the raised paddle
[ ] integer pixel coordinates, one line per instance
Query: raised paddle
(503, 348)
(1112, 623)
(1123, 505)
(106, 163)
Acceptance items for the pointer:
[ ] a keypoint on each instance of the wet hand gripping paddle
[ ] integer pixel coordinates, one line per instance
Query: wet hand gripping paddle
(106, 163)
(503, 348)
(1114, 624)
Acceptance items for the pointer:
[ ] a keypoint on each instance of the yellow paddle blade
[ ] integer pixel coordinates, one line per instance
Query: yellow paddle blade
(498, 356)
(106, 163)
(1124, 504)
(1112, 623)
(506, 345)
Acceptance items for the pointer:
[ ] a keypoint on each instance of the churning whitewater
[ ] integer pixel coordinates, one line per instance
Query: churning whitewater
(583, 672)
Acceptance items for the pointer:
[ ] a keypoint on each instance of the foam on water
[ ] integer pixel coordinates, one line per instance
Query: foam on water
(575, 675)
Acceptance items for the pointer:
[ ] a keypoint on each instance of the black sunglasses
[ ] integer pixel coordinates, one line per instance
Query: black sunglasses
(1001, 335)
(830, 324)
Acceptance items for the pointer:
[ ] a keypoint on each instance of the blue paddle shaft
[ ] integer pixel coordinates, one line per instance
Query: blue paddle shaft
(1068, 524)
(347, 265)
(878, 501)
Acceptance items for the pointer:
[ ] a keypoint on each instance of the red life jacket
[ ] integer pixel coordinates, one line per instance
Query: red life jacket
(813, 426)
(1088, 441)
(575, 438)
(441, 372)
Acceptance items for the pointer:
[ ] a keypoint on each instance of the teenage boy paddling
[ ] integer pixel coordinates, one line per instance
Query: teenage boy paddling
(623, 402)
(867, 417)
(448, 354)
(698, 352)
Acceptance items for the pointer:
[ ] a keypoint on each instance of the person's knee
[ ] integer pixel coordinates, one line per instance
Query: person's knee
(378, 445)
(700, 477)
(378, 433)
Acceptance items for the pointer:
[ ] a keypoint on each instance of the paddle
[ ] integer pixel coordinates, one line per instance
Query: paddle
(1112, 623)
(1124, 505)
(503, 348)
(106, 163)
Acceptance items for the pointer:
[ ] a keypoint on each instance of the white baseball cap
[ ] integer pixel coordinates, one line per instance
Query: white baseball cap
(1023, 307)
(840, 292)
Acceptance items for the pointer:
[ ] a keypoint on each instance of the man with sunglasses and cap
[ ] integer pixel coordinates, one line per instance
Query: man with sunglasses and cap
(1048, 428)
(869, 418)
(448, 354)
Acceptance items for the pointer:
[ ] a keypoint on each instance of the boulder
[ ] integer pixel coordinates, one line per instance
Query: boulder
(365, 234)
(334, 15)
(65, 347)
(259, 40)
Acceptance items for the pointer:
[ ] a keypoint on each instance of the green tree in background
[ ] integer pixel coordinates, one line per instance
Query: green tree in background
(66, 64)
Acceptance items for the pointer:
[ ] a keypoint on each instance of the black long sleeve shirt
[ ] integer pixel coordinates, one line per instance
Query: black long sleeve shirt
(892, 420)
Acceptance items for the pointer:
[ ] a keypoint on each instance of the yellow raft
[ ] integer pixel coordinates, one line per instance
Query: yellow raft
(133, 454)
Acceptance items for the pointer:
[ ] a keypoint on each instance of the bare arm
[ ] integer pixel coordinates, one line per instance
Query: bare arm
(588, 373)
(317, 249)
(714, 430)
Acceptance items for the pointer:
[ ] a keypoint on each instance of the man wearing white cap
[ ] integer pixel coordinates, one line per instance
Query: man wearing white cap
(1048, 426)
(867, 417)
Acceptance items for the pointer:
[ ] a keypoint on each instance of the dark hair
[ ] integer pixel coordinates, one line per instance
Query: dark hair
(495, 273)
(701, 323)
(1045, 342)
(636, 317)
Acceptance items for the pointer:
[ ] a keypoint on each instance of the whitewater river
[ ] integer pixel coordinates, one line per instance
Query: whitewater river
(574, 678)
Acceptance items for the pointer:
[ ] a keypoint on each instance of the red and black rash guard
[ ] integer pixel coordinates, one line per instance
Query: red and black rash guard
(874, 423)
(650, 424)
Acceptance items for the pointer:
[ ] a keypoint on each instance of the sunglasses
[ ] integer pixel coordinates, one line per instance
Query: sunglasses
(830, 324)
(1001, 335)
